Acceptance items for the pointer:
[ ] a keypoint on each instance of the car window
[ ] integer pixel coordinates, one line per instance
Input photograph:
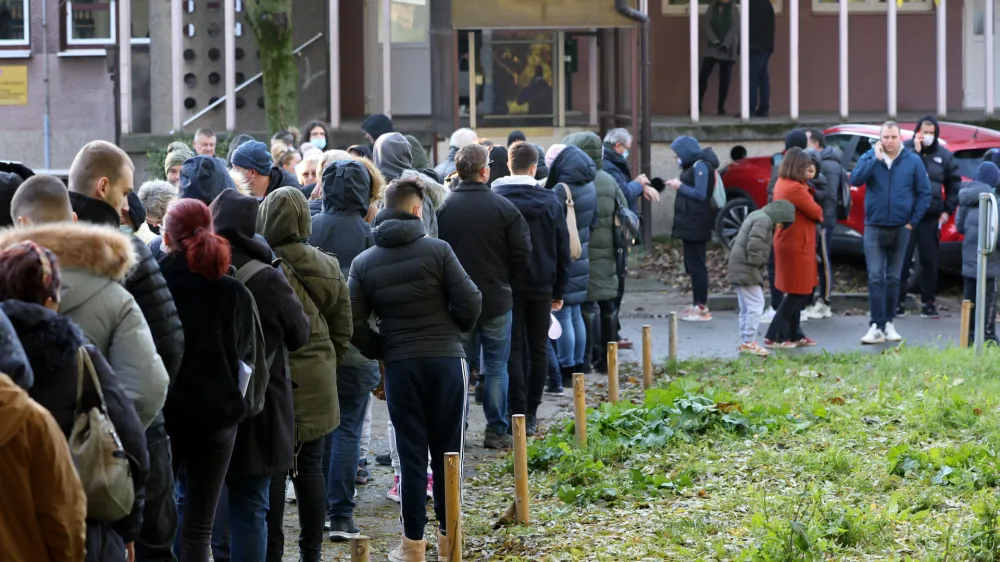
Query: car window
(863, 146)
(840, 140)
(968, 161)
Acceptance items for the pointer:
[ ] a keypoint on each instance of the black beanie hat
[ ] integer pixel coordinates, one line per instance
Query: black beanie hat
(796, 138)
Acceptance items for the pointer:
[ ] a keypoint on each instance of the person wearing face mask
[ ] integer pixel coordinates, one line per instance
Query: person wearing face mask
(945, 180)
(897, 194)
(317, 134)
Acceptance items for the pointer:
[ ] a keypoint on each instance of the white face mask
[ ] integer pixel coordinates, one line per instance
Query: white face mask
(928, 139)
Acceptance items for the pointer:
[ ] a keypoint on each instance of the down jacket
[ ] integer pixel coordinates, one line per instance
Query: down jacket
(967, 220)
(315, 276)
(694, 219)
(94, 261)
(752, 245)
(145, 283)
(942, 171)
(577, 170)
(13, 361)
(423, 298)
(51, 342)
(602, 253)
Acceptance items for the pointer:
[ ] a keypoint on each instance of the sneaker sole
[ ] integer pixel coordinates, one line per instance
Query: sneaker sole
(698, 319)
(893, 340)
(554, 393)
(931, 317)
(393, 498)
(341, 536)
(873, 342)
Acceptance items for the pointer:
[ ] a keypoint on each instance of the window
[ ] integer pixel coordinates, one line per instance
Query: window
(411, 20)
(140, 22)
(871, 6)
(979, 19)
(969, 160)
(90, 23)
(680, 7)
(14, 23)
(864, 145)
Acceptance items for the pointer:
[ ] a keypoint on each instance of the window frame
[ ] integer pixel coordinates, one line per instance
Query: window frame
(67, 28)
(10, 44)
(669, 9)
(872, 7)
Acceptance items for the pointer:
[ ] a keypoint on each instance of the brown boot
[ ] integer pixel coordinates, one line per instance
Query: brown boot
(444, 547)
(409, 551)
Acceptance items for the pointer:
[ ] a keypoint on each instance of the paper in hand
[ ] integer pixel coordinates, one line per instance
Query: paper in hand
(244, 380)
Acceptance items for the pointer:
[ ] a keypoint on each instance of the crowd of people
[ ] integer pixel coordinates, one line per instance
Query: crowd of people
(229, 325)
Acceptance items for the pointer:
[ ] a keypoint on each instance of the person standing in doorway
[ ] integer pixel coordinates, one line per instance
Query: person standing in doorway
(761, 48)
(897, 195)
(721, 29)
(945, 180)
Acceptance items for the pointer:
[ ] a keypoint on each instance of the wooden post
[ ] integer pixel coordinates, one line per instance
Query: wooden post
(963, 330)
(360, 549)
(521, 496)
(580, 409)
(613, 372)
(673, 337)
(647, 356)
(453, 503)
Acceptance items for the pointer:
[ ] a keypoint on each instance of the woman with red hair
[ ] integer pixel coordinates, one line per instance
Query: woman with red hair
(206, 402)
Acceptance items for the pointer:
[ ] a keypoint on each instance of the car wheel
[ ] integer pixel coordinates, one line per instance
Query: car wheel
(731, 217)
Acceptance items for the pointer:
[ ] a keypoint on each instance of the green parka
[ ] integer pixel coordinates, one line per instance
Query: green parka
(603, 284)
(752, 245)
(315, 276)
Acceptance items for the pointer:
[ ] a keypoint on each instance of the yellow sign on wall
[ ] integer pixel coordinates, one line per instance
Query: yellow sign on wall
(13, 85)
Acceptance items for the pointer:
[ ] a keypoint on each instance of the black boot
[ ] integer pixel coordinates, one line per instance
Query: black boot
(567, 376)
(531, 425)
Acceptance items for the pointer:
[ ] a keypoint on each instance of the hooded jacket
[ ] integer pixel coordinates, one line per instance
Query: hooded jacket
(377, 125)
(601, 252)
(94, 261)
(9, 182)
(417, 288)
(545, 276)
(349, 188)
(446, 168)
(491, 240)
(894, 196)
(419, 156)
(942, 172)
(834, 177)
(13, 362)
(203, 178)
(577, 170)
(281, 177)
(393, 157)
(752, 246)
(693, 215)
(316, 278)
(51, 342)
(967, 220)
(616, 165)
(43, 508)
(264, 442)
(146, 285)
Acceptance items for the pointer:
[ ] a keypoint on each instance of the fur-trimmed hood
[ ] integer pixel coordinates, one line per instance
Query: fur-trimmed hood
(99, 250)
(378, 181)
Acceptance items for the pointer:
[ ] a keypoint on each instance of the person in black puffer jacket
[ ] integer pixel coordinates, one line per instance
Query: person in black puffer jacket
(263, 442)
(12, 175)
(13, 362)
(946, 180)
(694, 217)
(424, 301)
(574, 168)
(29, 291)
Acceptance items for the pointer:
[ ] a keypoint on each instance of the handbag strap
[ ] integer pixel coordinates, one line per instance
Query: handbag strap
(84, 363)
(569, 195)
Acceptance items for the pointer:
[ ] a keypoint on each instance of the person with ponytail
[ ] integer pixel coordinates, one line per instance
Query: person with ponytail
(30, 284)
(206, 403)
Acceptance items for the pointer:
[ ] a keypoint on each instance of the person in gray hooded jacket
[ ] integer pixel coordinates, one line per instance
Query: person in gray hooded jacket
(393, 157)
(967, 222)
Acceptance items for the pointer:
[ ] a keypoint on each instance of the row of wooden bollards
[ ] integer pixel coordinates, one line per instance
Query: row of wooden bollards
(522, 498)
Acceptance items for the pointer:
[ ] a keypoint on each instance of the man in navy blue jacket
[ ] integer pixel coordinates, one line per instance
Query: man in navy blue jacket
(897, 195)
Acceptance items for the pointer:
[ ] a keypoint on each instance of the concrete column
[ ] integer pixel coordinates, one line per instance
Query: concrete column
(793, 59)
(891, 53)
(988, 31)
(693, 71)
(843, 60)
(745, 60)
(230, 63)
(593, 69)
(386, 24)
(177, 62)
(125, 65)
(942, 63)
(333, 43)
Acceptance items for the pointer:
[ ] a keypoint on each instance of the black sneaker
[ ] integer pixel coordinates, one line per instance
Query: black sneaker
(553, 390)
(930, 311)
(383, 460)
(531, 425)
(900, 311)
(497, 441)
(343, 529)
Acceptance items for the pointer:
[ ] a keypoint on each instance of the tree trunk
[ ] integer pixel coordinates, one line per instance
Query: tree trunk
(271, 22)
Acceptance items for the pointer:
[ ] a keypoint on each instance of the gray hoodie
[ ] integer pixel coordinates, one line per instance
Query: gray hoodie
(393, 158)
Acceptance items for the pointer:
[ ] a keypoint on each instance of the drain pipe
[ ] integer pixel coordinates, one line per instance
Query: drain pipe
(646, 130)
(46, 118)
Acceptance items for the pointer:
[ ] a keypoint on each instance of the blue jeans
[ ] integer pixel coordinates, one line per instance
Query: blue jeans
(494, 336)
(885, 248)
(572, 344)
(340, 461)
(555, 375)
(248, 505)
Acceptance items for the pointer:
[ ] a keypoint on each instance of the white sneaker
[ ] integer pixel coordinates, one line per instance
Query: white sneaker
(818, 311)
(803, 317)
(891, 334)
(768, 316)
(873, 336)
(289, 492)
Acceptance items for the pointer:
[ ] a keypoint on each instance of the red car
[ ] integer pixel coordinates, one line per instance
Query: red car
(746, 182)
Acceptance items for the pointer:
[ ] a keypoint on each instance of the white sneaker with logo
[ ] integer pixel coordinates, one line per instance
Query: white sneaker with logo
(891, 334)
(873, 336)
(768, 316)
(819, 310)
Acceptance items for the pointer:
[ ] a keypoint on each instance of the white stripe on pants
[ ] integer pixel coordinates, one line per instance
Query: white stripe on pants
(751, 302)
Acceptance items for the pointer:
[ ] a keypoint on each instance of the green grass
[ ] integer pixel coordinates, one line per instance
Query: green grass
(843, 457)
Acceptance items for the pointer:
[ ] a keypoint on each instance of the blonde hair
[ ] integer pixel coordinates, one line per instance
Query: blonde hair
(242, 185)
(282, 154)
(331, 156)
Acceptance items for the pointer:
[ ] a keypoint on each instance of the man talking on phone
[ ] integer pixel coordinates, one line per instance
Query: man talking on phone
(897, 195)
(942, 171)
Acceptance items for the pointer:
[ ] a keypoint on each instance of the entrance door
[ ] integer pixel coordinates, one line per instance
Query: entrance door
(973, 32)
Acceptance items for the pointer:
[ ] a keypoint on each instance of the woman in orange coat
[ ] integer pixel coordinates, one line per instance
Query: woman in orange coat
(794, 251)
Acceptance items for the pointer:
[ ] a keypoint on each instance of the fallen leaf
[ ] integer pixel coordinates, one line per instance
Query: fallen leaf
(836, 400)
(726, 407)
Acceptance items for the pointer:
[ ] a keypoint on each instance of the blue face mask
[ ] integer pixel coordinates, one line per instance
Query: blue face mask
(625, 154)
(125, 229)
(318, 142)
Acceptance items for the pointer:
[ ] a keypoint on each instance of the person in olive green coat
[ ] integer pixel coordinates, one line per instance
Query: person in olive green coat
(599, 313)
(315, 276)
